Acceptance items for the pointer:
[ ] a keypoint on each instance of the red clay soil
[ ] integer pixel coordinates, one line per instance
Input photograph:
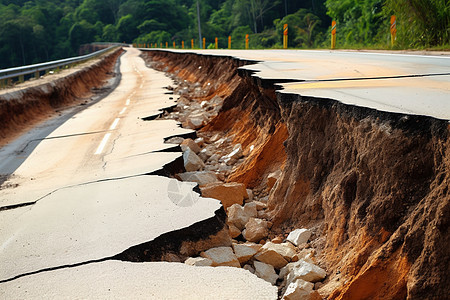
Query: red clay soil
(372, 186)
(23, 107)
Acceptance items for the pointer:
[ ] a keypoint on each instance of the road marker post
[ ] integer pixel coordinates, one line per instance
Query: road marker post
(285, 36)
(174, 45)
(182, 44)
(333, 34)
(192, 43)
(204, 43)
(393, 30)
(161, 45)
(229, 42)
(246, 41)
(217, 43)
(167, 44)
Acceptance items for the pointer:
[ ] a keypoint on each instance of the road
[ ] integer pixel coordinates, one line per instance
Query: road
(399, 83)
(82, 194)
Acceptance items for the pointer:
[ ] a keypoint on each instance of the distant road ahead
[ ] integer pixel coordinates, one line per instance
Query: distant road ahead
(401, 83)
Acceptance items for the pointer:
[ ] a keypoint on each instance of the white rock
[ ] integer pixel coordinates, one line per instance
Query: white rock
(191, 161)
(199, 262)
(260, 205)
(202, 177)
(236, 153)
(244, 252)
(195, 121)
(250, 209)
(267, 254)
(300, 290)
(286, 250)
(255, 230)
(237, 216)
(189, 143)
(222, 256)
(299, 236)
(306, 271)
(200, 141)
(266, 272)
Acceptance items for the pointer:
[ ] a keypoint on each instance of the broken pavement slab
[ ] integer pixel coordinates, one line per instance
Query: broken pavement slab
(95, 221)
(149, 280)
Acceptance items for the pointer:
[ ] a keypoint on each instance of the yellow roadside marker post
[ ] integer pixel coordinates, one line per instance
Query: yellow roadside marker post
(160, 45)
(246, 41)
(217, 43)
(167, 44)
(174, 45)
(192, 43)
(333, 34)
(393, 30)
(229, 42)
(285, 36)
(204, 43)
(182, 44)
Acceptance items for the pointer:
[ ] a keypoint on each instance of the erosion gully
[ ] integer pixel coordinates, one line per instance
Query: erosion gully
(372, 186)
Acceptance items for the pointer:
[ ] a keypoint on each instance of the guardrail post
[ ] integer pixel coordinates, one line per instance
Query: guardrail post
(21, 78)
(37, 75)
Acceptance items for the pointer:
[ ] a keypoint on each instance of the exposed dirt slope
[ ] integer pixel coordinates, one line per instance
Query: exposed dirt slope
(35, 101)
(373, 186)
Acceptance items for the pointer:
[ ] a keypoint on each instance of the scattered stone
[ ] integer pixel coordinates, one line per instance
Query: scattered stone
(299, 236)
(202, 177)
(264, 199)
(191, 161)
(196, 121)
(200, 141)
(255, 230)
(213, 158)
(199, 261)
(234, 231)
(237, 216)
(306, 253)
(214, 138)
(269, 255)
(250, 210)
(277, 240)
(250, 195)
(260, 205)
(175, 140)
(205, 154)
(262, 214)
(306, 271)
(266, 272)
(189, 143)
(228, 193)
(249, 268)
(236, 153)
(301, 290)
(222, 256)
(244, 252)
(272, 179)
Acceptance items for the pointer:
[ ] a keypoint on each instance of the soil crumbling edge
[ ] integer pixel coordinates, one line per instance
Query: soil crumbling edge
(373, 186)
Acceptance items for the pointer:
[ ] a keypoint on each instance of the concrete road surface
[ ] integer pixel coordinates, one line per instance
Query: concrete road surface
(400, 83)
(80, 195)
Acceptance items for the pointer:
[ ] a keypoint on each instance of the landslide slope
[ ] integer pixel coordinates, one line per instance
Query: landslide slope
(373, 186)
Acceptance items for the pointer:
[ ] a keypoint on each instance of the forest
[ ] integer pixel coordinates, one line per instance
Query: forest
(43, 30)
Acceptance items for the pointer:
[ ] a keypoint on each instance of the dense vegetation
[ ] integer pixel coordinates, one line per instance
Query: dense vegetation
(42, 30)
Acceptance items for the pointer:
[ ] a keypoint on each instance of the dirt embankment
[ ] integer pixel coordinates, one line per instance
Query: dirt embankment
(372, 186)
(34, 101)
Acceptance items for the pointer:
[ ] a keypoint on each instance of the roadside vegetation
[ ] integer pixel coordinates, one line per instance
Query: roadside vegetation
(42, 30)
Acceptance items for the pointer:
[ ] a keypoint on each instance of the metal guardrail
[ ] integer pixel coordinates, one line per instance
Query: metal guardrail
(7, 75)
